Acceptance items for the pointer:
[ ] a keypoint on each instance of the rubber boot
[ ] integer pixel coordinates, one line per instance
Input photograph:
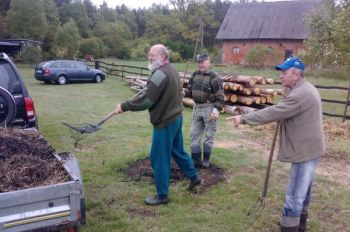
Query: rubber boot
(289, 229)
(302, 223)
(196, 157)
(206, 157)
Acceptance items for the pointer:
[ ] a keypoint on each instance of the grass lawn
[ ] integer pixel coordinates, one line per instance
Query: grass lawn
(114, 203)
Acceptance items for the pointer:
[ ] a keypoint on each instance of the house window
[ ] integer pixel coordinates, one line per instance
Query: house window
(288, 53)
(235, 50)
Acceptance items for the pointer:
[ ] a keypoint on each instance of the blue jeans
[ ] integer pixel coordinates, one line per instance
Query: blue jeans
(298, 194)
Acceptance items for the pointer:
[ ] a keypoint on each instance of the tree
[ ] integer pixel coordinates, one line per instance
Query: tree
(49, 44)
(27, 19)
(91, 46)
(77, 11)
(329, 39)
(4, 6)
(30, 55)
(68, 40)
(4, 31)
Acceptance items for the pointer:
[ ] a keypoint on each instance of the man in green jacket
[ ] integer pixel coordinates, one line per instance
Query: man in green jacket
(301, 139)
(205, 87)
(163, 99)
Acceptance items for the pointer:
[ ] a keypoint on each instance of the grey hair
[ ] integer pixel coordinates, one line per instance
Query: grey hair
(301, 72)
(165, 51)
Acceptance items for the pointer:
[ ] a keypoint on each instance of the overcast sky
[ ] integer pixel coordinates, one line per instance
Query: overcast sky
(136, 3)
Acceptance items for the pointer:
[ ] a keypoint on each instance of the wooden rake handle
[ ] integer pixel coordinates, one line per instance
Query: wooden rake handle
(108, 116)
(268, 168)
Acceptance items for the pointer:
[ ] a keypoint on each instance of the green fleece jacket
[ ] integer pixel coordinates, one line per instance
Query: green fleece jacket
(161, 96)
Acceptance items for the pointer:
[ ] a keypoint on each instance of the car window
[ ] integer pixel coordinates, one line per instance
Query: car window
(56, 65)
(81, 65)
(6, 74)
(68, 64)
(47, 64)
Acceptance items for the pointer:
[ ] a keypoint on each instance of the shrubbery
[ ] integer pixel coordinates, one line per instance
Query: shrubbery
(260, 56)
(30, 55)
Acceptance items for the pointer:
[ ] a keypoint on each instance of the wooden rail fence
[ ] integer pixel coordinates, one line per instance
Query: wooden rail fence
(122, 70)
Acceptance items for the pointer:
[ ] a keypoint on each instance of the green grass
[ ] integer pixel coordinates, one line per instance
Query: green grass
(110, 196)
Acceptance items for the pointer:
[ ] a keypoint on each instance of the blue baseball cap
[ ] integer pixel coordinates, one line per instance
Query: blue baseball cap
(291, 62)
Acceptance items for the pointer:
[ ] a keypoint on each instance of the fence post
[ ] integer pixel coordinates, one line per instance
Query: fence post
(346, 105)
(122, 72)
(141, 72)
(97, 64)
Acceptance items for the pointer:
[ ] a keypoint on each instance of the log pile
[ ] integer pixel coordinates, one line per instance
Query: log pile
(243, 94)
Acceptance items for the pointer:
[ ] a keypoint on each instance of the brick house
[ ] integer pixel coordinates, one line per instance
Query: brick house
(279, 26)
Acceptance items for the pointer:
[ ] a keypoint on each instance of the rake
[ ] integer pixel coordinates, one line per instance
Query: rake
(87, 127)
(257, 209)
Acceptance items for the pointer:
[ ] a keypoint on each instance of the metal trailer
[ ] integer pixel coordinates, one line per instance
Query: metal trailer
(47, 208)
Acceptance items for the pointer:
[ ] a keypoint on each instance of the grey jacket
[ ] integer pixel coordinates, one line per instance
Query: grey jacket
(301, 132)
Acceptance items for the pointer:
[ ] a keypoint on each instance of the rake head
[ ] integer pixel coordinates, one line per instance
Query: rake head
(83, 128)
(256, 209)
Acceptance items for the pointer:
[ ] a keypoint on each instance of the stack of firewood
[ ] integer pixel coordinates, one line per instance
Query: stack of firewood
(243, 94)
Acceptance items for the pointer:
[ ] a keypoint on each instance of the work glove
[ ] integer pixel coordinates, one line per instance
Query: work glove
(214, 115)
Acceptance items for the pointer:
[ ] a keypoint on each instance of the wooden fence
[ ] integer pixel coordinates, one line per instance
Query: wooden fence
(123, 70)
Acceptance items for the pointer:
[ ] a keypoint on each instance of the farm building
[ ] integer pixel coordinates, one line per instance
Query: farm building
(13, 46)
(278, 26)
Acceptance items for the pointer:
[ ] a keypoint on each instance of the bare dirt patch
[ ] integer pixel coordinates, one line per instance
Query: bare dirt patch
(27, 160)
(142, 168)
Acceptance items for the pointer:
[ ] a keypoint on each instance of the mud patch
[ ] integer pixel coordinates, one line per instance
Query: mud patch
(142, 169)
(27, 160)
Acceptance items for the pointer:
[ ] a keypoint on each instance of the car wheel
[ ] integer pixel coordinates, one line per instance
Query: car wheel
(98, 78)
(7, 107)
(61, 80)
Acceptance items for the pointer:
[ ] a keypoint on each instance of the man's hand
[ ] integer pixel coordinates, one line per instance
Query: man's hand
(214, 115)
(118, 109)
(236, 120)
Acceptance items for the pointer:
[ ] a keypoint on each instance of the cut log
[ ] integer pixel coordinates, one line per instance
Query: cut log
(269, 98)
(256, 100)
(136, 89)
(232, 86)
(245, 100)
(269, 92)
(263, 99)
(260, 80)
(280, 92)
(245, 80)
(230, 98)
(134, 83)
(246, 109)
(232, 110)
(270, 81)
(246, 91)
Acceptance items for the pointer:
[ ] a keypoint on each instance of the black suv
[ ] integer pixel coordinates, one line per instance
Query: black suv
(16, 106)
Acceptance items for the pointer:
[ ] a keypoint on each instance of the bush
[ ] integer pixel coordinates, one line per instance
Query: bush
(141, 50)
(91, 46)
(175, 57)
(185, 50)
(261, 56)
(30, 54)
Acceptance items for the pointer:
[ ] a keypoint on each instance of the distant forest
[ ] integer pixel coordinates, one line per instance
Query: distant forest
(73, 28)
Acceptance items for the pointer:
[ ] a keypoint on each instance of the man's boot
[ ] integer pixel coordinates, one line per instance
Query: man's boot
(206, 157)
(196, 157)
(302, 223)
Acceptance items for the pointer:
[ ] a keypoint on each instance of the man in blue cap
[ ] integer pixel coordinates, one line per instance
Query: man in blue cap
(301, 139)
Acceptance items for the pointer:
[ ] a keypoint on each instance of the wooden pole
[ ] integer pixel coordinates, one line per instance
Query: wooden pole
(346, 105)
